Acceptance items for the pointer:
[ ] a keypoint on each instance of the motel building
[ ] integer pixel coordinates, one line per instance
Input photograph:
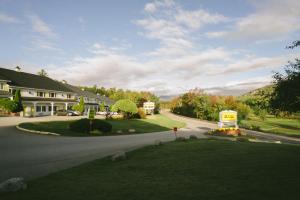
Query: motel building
(42, 95)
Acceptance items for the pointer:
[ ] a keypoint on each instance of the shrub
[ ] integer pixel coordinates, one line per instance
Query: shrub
(140, 114)
(87, 125)
(81, 126)
(126, 106)
(79, 107)
(8, 105)
(101, 125)
(18, 101)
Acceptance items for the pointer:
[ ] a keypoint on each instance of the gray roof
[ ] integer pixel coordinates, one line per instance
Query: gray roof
(79, 91)
(22, 79)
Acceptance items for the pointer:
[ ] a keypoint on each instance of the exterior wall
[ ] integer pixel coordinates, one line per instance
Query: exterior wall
(31, 111)
(5, 86)
(33, 93)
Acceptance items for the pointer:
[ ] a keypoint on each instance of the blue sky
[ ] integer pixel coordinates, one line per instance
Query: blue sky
(166, 47)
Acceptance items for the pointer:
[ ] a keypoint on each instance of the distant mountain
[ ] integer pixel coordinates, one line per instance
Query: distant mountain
(263, 91)
(168, 97)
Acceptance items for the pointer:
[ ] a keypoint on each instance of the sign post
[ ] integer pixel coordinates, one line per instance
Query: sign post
(175, 131)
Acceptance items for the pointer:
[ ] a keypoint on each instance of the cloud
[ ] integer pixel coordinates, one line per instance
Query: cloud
(158, 4)
(272, 19)
(252, 63)
(8, 19)
(172, 26)
(41, 27)
(198, 18)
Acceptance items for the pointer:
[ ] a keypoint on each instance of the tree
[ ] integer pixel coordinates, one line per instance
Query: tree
(286, 96)
(18, 101)
(42, 72)
(80, 106)
(126, 106)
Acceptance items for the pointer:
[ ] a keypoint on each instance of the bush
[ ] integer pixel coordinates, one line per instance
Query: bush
(80, 106)
(126, 106)
(8, 105)
(101, 125)
(81, 126)
(87, 125)
(140, 114)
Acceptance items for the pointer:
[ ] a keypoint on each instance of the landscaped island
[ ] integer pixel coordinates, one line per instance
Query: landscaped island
(153, 123)
(194, 169)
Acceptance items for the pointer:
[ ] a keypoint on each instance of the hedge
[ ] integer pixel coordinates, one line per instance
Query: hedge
(88, 125)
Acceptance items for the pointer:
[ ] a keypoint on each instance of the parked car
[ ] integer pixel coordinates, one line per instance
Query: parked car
(61, 113)
(73, 113)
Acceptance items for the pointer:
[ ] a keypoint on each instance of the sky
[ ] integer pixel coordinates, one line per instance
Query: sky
(163, 46)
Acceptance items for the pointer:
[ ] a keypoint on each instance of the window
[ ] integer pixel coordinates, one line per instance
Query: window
(38, 109)
(53, 95)
(1, 86)
(41, 94)
(49, 108)
(43, 108)
(69, 96)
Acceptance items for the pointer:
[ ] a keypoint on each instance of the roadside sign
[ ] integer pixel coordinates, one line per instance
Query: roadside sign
(227, 118)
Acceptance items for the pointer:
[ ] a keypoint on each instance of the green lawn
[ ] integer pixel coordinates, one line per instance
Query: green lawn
(196, 169)
(152, 124)
(288, 127)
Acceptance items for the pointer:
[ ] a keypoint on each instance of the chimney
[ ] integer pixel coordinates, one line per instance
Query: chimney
(18, 69)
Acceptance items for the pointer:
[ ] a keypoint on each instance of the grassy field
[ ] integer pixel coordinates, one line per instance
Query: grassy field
(154, 123)
(288, 127)
(195, 169)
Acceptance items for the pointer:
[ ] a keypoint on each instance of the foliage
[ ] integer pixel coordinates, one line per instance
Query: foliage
(140, 114)
(88, 125)
(117, 94)
(126, 106)
(259, 99)
(101, 125)
(102, 107)
(18, 101)
(8, 105)
(200, 105)
(79, 107)
(286, 96)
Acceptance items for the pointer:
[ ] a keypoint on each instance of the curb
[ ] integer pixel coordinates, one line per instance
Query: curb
(38, 132)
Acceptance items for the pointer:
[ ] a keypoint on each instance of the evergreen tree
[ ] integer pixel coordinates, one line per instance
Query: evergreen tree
(18, 101)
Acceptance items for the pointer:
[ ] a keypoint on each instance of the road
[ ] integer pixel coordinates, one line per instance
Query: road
(31, 155)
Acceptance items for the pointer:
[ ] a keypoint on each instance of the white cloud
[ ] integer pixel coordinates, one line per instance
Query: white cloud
(150, 7)
(272, 19)
(196, 19)
(41, 27)
(4, 18)
(172, 26)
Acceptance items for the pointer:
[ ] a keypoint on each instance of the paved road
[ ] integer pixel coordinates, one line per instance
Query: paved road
(31, 155)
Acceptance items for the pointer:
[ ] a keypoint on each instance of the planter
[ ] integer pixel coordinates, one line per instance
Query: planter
(15, 114)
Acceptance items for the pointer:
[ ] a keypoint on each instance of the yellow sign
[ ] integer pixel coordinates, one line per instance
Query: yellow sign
(228, 116)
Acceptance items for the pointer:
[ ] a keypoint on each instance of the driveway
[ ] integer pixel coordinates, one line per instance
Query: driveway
(31, 155)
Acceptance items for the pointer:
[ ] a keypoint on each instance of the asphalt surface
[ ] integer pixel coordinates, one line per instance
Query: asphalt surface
(31, 155)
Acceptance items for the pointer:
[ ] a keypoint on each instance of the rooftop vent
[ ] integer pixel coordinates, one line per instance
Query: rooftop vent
(18, 69)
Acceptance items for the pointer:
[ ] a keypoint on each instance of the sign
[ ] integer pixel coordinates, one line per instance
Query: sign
(149, 107)
(227, 118)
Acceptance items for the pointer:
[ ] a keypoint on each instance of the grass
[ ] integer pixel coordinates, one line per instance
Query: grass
(154, 123)
(196, 169)
(282, 126)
